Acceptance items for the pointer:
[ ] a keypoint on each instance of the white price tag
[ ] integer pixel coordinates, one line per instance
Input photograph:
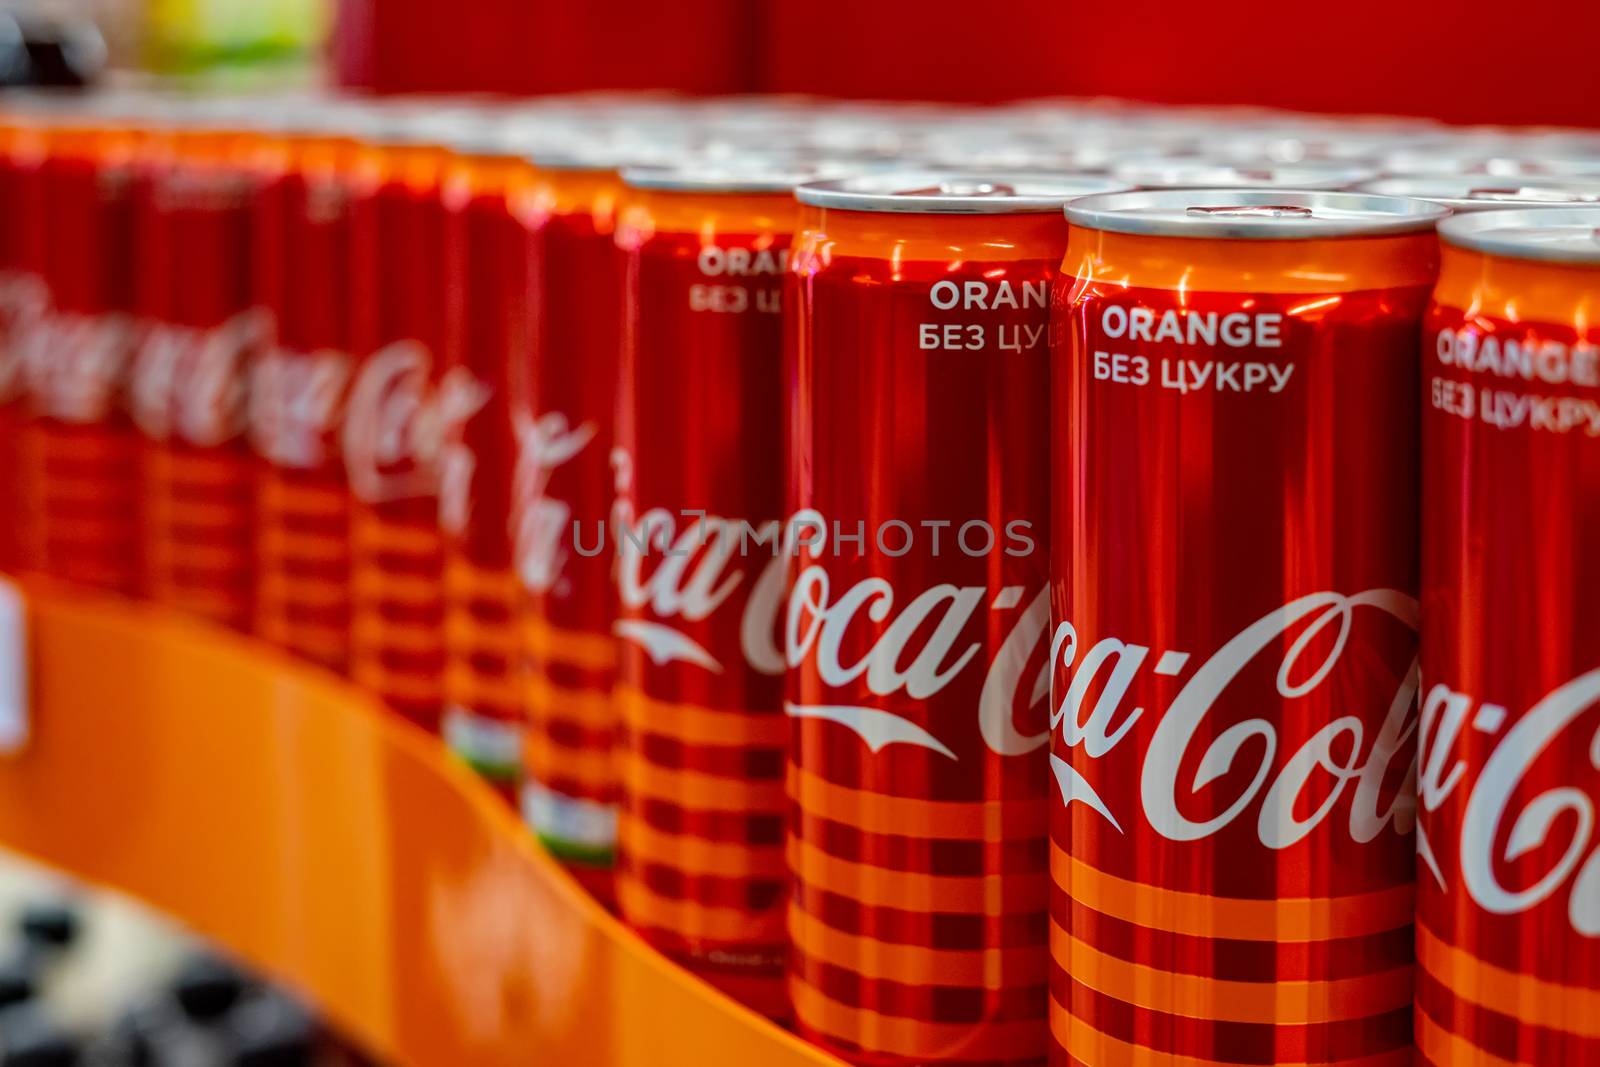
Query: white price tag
(13, 669)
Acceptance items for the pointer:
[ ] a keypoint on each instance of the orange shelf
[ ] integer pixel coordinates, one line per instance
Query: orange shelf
(286, 816)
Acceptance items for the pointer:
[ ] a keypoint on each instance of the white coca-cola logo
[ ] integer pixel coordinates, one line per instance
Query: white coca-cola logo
(540, 522)
(190, 382)
(396, 425)
(458, 397)
(1343, 756)
(697, 569)
(296, 400)
(75, 365)
(923, 645)
(1552, 721)
(24, 301)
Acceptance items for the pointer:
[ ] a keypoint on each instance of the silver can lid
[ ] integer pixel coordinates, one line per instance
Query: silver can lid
(1555, 235)
(1505, 162)
(744, 174)
(1483, 193)
(955, 192)
(602, 149)
(1203, 174)
(1253, 214)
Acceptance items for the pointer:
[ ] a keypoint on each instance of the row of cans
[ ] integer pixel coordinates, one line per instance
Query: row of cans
(971, 614)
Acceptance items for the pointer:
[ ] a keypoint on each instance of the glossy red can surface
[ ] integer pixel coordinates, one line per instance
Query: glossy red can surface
(700, 753)
(81, 449)
(918, 424)
(486, 282)
(1234, 581)
(1508, 917)
(393, 427)
(300, 244)
(563, 410)
(199, 332)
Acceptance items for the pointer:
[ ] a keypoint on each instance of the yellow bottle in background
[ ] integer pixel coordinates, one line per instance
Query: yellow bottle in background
(190, 36)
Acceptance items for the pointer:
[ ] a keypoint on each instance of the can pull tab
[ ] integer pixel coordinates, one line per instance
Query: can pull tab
(1254, 211)
(959, 187)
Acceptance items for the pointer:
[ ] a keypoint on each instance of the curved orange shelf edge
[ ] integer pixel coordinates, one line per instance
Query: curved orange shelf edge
(285, 815)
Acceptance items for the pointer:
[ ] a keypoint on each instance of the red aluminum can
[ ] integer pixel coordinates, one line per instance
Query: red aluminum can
(199, 331)
(301, 256)
(24, 301)
(80, 450)
(915, 623)
(486, 289)
(1233, 592)
(1508, 912)
(563, 411)
(699, 447)
(392, 428)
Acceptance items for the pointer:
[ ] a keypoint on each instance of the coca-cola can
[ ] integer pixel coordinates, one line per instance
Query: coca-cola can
(915, 624)
(563, 411)
(199, 332)
(24, 302)
(1234, 608)
(301, 255)
(1508, 911)
(700, 575)
(393, 420)
(1479, 193)
(486, 293)
(80, 452)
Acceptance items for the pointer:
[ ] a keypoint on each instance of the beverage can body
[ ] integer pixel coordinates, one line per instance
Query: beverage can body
(393, 427)
(564, 416)
(300, 247)
(199, 333)
(82, 445)
(1234, 602)
(915, 633)
(24, 304)
(698, 461)
(486, 286)
(1508, 909)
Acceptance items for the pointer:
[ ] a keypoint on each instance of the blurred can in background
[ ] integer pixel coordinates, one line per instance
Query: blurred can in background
(200, 331)
(80, 451)
(1508, 915)
(301, 250)
(485, 286)
(701, 572)
(563, 411)
(392, 429)
(24, 302)
(1234, 579)
(915, 626)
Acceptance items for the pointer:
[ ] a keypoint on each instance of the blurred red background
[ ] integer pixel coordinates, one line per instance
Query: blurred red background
(1467, 61)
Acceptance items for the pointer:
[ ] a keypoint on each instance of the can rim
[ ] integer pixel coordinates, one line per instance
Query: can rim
(577, 154)
(901, 192)
(1157, 173)
(719, 177)
(1457, 192)
(1368, 214)
(1497, 233)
